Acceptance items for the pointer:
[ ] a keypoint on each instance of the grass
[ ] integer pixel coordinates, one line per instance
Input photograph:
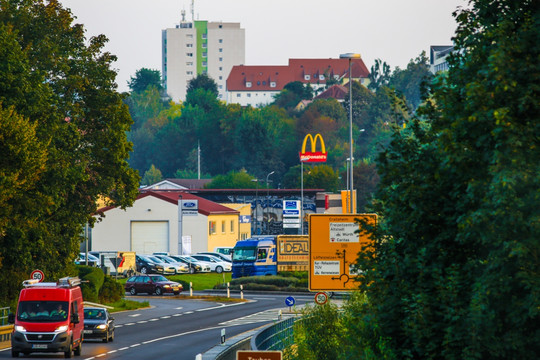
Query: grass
(125, 304)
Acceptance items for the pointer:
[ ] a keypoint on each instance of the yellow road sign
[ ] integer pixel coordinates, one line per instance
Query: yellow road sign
(333, 249)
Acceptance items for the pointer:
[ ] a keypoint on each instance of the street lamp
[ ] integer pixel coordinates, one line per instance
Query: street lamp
(267, 197)
(350, 56)
(256, 206)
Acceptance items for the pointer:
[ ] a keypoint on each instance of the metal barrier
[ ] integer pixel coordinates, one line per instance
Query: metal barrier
(275, 337)
(4, 316)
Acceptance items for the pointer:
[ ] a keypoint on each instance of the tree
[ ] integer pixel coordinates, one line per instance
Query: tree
(151, 176)
(232, 180)
(411, 82)
(204, 82)
(145, 78)
(60, 89)
(453, 272)
(379, 75)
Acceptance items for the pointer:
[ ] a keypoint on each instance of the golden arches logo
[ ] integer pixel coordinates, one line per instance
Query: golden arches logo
(313, 155)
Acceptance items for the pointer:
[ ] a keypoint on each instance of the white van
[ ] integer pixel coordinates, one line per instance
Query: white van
(223, 250)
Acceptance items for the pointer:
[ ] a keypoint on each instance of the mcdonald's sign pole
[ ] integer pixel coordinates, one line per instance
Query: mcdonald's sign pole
(310, 157)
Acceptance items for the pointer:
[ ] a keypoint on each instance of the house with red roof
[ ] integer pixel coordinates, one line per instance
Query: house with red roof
(258, 84)
(157, 222)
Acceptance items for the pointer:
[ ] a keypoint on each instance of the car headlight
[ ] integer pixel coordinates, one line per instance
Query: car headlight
(167, 286)
(62, 328)
(20, 328)
(101, 327)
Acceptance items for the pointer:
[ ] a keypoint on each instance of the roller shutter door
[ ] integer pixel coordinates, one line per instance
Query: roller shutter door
(149, 236)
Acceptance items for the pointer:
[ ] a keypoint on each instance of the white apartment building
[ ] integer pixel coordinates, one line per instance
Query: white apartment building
(200, 47)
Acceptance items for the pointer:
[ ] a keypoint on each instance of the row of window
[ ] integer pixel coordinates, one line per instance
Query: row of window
(249, 94)
(272, 83)
(212, 228)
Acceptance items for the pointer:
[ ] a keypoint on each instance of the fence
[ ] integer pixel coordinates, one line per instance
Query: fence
(275, 337)
(4, 316)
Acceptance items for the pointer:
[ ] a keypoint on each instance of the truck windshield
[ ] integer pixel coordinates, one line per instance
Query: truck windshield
(244, 253)
(42, 311)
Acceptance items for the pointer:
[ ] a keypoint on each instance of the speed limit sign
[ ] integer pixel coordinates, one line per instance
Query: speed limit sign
(321, 298)
(37, 275)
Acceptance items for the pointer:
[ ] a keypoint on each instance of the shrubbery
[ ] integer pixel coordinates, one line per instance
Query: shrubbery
(268, 283)
(96, 287)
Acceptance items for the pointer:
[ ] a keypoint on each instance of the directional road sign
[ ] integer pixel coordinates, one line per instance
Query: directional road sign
(290, 301)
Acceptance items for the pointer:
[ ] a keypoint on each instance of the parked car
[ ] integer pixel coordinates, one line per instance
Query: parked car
(218, 255)
(98, 324)
(225, 250)
(193, 266)
(92, 260)
(205, 267)
(179, 267)
(216, 264)
(152, 284)
(150, 264)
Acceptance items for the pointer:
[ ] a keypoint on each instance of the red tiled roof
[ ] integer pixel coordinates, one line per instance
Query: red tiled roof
(338, 92)
(206, 207)
(260, 76)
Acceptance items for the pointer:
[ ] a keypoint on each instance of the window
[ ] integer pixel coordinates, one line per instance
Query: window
(238, 95)
(272, 84)
(220, 59)
(221, 78)
(204, 36)
(321, 77)
(220, 26)
(220, 41)
(204, 54)
(307, 77)
(189, 45)
(189, 63)
(220, 86)
(232, 225)
(189, 72)
(220, 68)
(248, 84)
(220, 50)
(204, 45)
(189, 54)
(223, 227)
(211, 227)
(189, 36)
(249, 95)
(204, 63)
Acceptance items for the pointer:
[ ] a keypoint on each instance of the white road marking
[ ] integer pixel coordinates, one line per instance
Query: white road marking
(134, 315)
(165, 317)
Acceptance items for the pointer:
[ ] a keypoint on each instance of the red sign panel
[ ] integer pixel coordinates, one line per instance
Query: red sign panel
(313, 156)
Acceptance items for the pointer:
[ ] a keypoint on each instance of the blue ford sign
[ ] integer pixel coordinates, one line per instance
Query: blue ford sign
(190, 204)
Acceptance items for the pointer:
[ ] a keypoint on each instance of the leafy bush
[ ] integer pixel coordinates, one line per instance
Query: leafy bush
(111, 291)
(92, 280)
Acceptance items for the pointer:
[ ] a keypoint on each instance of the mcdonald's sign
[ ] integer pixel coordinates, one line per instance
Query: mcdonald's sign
(313, 155)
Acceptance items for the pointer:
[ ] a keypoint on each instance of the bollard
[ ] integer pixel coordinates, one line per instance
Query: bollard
(198, 357)
(279, 315)
(190, 288)
(242, 292)
(222, 336)
(228, 290)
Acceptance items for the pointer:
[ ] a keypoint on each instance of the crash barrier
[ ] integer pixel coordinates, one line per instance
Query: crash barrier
(4, 316)
(276, 336)
(5, 336)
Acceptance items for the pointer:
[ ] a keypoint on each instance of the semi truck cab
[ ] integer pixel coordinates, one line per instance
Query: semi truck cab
(254, 257)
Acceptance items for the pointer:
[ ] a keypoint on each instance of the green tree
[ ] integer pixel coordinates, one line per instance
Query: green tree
(321, 177)
(145, 78)
(379, 75)
(232, 180)
(412, 81)
(204, 82)
(63, 86)
(152, 176)
(453, 272)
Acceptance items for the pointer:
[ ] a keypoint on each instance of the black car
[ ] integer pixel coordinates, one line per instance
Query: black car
(148, 264)
(98, 324)
(152, 284)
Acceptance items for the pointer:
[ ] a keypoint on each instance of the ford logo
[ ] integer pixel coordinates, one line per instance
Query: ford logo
(189, 204)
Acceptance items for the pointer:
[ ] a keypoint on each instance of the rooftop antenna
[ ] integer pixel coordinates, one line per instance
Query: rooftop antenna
(193, 10)
(183, 12)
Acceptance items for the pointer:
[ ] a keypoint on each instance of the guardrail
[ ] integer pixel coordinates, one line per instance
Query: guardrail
(275, 337)
(4, 316)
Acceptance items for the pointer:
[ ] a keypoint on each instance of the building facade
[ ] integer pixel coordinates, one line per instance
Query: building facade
(200, 47)
(257, 85)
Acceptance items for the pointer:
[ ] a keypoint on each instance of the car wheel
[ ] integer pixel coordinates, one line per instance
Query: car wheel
(132, 291)
(219, 269)
(177, 293)
(78, 349)
(106, 338)
(67, 354)
(158, 291)
(191, 270)
(144, 270)
(14, 353)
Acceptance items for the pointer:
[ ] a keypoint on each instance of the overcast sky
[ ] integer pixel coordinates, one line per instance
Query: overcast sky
(391, 30)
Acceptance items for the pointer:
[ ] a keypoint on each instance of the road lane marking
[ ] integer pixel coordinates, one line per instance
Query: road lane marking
(134, 315)
(165, 317)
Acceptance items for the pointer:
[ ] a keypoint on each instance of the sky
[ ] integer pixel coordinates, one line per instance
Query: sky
(394, 31)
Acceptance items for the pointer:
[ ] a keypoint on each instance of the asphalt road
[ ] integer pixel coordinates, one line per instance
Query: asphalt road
(180, 329)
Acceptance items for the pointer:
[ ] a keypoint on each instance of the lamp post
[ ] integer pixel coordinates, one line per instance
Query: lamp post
(180, 215)
(267, 197)
(350, 56)
(256, 205)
